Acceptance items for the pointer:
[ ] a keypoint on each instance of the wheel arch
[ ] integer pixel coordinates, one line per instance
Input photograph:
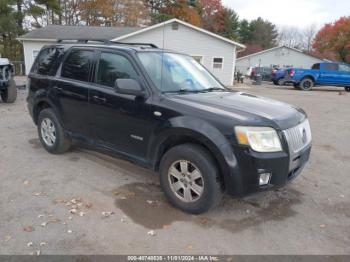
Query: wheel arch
(40, 105)
(309, 77)
(197, 132)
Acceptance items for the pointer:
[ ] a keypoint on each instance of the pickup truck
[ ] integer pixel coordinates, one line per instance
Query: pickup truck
(277, 77)
(321, 74)
(8, 89)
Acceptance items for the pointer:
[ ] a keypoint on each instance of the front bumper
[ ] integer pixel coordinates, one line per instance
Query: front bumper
(283, 166)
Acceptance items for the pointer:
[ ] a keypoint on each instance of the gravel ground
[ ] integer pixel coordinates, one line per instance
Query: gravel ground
(86, 202)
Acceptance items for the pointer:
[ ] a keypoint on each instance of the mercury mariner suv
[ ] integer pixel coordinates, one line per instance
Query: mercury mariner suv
(163, 110)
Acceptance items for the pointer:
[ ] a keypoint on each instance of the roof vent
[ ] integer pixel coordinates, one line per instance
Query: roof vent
(175, 26)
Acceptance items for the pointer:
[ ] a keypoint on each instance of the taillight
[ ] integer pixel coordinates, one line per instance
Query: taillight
(291, 73)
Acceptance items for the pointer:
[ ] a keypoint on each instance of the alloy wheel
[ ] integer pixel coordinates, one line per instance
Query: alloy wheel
(186, 181)
(48, 132)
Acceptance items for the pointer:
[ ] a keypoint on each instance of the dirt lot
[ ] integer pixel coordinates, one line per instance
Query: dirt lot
(38, 191)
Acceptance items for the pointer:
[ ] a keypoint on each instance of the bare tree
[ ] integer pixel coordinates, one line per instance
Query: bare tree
(296, 37)
(291, 36)
(309, 35)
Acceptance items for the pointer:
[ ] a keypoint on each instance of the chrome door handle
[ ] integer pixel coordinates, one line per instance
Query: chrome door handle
(100, 98)
(58, 88)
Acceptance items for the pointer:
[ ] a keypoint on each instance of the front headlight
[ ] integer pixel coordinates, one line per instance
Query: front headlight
(260, 139)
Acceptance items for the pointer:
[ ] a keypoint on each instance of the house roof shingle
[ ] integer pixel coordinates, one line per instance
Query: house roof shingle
(56, 32)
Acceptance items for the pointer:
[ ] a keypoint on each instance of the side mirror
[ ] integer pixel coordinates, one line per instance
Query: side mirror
(128, 87)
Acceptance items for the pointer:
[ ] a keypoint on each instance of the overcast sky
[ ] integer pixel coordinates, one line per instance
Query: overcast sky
(299, 13)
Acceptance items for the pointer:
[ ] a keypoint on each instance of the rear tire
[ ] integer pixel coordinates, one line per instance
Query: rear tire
(190, 178)
(51, 133)
(275, 83)
(9, 95)
(347, 89)
(306, 84)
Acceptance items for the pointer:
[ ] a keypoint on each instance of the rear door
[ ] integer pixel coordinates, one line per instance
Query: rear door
(344, 74)
(70, 90)
(121, 122)
(44, 68)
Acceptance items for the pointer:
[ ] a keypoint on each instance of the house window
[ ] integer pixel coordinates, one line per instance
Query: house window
(218, 63)
(175, 26)
(198, 58)
(35, 53)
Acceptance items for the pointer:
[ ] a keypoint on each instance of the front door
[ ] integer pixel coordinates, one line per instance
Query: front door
(329, 74)
(344, 74)
(121, 122)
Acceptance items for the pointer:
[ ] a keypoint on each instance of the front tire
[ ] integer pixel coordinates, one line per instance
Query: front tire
(9, 95)
(190, 178)
(347, 88)
(306, 84)
(51, 133)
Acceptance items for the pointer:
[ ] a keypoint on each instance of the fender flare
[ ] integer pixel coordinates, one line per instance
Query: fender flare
(41, 97)
(313, 78)
(201, 132)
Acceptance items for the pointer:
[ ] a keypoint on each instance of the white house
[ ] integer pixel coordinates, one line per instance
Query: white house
(216, 53)
(277, 57)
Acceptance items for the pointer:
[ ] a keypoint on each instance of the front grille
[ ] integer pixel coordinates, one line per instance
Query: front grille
(298, 137)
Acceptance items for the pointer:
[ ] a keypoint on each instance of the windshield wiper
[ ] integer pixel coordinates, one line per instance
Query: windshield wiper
(183, 90)
(211, 89)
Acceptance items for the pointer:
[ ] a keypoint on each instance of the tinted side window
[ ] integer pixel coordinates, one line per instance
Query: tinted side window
(77, 65)
(332, 67)
(112, 67)
(47, 62)
(316, 67)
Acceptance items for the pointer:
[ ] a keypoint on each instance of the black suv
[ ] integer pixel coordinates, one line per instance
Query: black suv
(165, 111)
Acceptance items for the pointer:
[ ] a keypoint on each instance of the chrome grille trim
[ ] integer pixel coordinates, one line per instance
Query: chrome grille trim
(295, 137)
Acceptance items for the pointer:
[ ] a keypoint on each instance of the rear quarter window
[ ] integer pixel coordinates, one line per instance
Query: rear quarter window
(77, 65)
(47, 61)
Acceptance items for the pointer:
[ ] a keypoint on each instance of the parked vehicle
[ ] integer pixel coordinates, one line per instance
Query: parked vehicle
(8, 89)
(264, 72)
(321, 74)
(165, 111)
(278, 77)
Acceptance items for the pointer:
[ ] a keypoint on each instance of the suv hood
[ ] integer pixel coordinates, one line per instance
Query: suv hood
(248, 109)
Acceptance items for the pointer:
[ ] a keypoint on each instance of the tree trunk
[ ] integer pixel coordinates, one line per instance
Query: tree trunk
(20, 16)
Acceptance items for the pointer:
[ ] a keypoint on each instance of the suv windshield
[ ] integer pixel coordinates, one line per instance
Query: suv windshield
(177, 73)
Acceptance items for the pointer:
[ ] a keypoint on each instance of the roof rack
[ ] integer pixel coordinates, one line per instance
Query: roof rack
(85, 41)
(135, 44)
(106, 41)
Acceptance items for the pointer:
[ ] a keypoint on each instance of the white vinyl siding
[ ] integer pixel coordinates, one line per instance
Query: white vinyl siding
(281, 57)
(185, 39)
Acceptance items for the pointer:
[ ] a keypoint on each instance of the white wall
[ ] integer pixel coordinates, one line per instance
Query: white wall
(184, 40)
(195, 43)
(29, 47)
(280, 57)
